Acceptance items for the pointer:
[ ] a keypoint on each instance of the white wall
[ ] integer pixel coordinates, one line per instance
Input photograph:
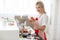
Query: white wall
(55, 33)
(58, 21)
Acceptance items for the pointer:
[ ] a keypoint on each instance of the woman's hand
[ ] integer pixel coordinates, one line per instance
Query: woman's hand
(42, 28)
(32, 20)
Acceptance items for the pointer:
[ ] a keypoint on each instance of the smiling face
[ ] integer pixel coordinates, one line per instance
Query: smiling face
(40, 7)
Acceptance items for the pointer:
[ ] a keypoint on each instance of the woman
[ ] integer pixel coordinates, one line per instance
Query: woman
(42, 20)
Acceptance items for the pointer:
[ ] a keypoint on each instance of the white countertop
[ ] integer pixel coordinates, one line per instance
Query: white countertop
(7, 27)
(8, 32)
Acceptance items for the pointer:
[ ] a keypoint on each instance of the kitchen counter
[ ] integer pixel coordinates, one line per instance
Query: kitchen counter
(8, 32)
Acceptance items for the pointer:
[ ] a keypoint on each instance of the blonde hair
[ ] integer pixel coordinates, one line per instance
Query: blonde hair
(41, 4)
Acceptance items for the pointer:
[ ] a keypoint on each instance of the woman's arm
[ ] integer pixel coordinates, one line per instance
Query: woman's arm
(42, 28)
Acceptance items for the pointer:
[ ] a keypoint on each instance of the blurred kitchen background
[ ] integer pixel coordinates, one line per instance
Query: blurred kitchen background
(26, 8)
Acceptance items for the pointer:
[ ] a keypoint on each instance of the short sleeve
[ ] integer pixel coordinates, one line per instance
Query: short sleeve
(45, 20)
